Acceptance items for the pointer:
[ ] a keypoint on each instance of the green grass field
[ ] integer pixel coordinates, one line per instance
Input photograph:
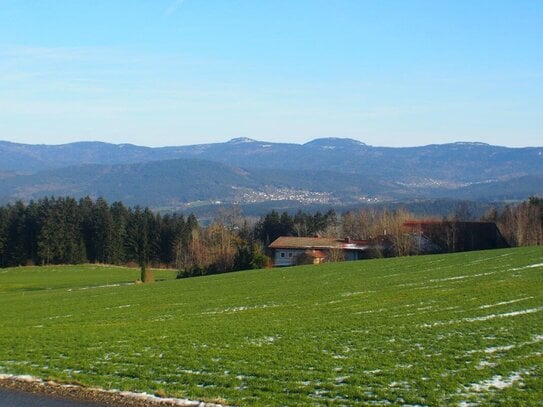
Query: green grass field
(444, 329)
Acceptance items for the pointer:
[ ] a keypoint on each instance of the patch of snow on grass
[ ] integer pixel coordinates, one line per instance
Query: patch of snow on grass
(350, 294)
(162, 318)
(504, 303)
(530, 266)
(482, 318)
(496, 382)
(267, 340)
(193, 372)
(494, 349)
(60, 316)
(341, 380)
(400, 384)
(485, 363)
(372, 311)
(239, 309)
(437, 280)
(507, 314)
(100, 286)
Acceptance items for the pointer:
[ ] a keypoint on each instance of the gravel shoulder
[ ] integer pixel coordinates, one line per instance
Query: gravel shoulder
(97, 397)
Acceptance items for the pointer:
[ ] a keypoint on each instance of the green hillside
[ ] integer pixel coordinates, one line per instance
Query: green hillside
(434, 330)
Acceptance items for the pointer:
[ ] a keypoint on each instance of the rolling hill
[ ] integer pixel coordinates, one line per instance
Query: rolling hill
(177, 183)
(457, 329)
(330, 171)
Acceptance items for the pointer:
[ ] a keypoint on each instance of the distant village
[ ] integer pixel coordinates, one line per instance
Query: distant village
(245, 195)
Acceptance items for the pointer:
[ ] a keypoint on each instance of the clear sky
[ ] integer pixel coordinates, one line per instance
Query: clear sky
(177, 72)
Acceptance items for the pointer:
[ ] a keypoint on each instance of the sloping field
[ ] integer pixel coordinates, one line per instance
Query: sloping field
(451, 329)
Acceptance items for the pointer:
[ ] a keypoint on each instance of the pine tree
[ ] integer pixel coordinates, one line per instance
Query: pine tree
(3, 235)
(15, 242)
(119, 219)
(102, 231)
(74, 250)
(137, 240)
(88, 228)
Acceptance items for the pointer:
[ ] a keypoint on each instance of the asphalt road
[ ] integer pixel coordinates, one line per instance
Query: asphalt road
(12, 398)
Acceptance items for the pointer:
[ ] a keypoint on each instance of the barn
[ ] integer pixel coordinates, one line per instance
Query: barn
(453, 236)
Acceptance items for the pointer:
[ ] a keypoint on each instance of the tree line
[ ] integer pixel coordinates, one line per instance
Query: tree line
(69, 231)
(521, 224)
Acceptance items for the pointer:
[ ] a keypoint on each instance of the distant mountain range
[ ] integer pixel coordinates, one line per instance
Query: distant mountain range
(332, 171)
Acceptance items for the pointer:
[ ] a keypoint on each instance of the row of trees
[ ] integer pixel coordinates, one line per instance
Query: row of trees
(522, 224)
(67, 231)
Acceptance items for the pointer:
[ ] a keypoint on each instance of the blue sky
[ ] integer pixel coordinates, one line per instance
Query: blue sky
(173, 72)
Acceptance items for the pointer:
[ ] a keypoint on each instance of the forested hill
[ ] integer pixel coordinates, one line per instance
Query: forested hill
(329, 171)
(174, 183)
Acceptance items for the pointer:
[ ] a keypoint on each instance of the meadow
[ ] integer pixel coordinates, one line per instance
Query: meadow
(429, 330)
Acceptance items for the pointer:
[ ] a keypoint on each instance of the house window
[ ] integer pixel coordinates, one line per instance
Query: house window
(290, 254)
(282, 254)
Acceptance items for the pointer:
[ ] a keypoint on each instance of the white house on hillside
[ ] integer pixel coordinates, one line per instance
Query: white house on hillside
(289, 251)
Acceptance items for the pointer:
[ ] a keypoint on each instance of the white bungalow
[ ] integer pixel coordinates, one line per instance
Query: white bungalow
(289, 251)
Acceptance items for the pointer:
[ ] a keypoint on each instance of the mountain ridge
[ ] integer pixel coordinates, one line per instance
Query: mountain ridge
(337, 154)
(335, 170)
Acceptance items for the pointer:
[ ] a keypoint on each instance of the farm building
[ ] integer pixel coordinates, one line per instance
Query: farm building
(453, 236)
(289, 251)
(426, 237)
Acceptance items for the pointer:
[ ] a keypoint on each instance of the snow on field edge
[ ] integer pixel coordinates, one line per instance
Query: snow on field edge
(127, 394)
